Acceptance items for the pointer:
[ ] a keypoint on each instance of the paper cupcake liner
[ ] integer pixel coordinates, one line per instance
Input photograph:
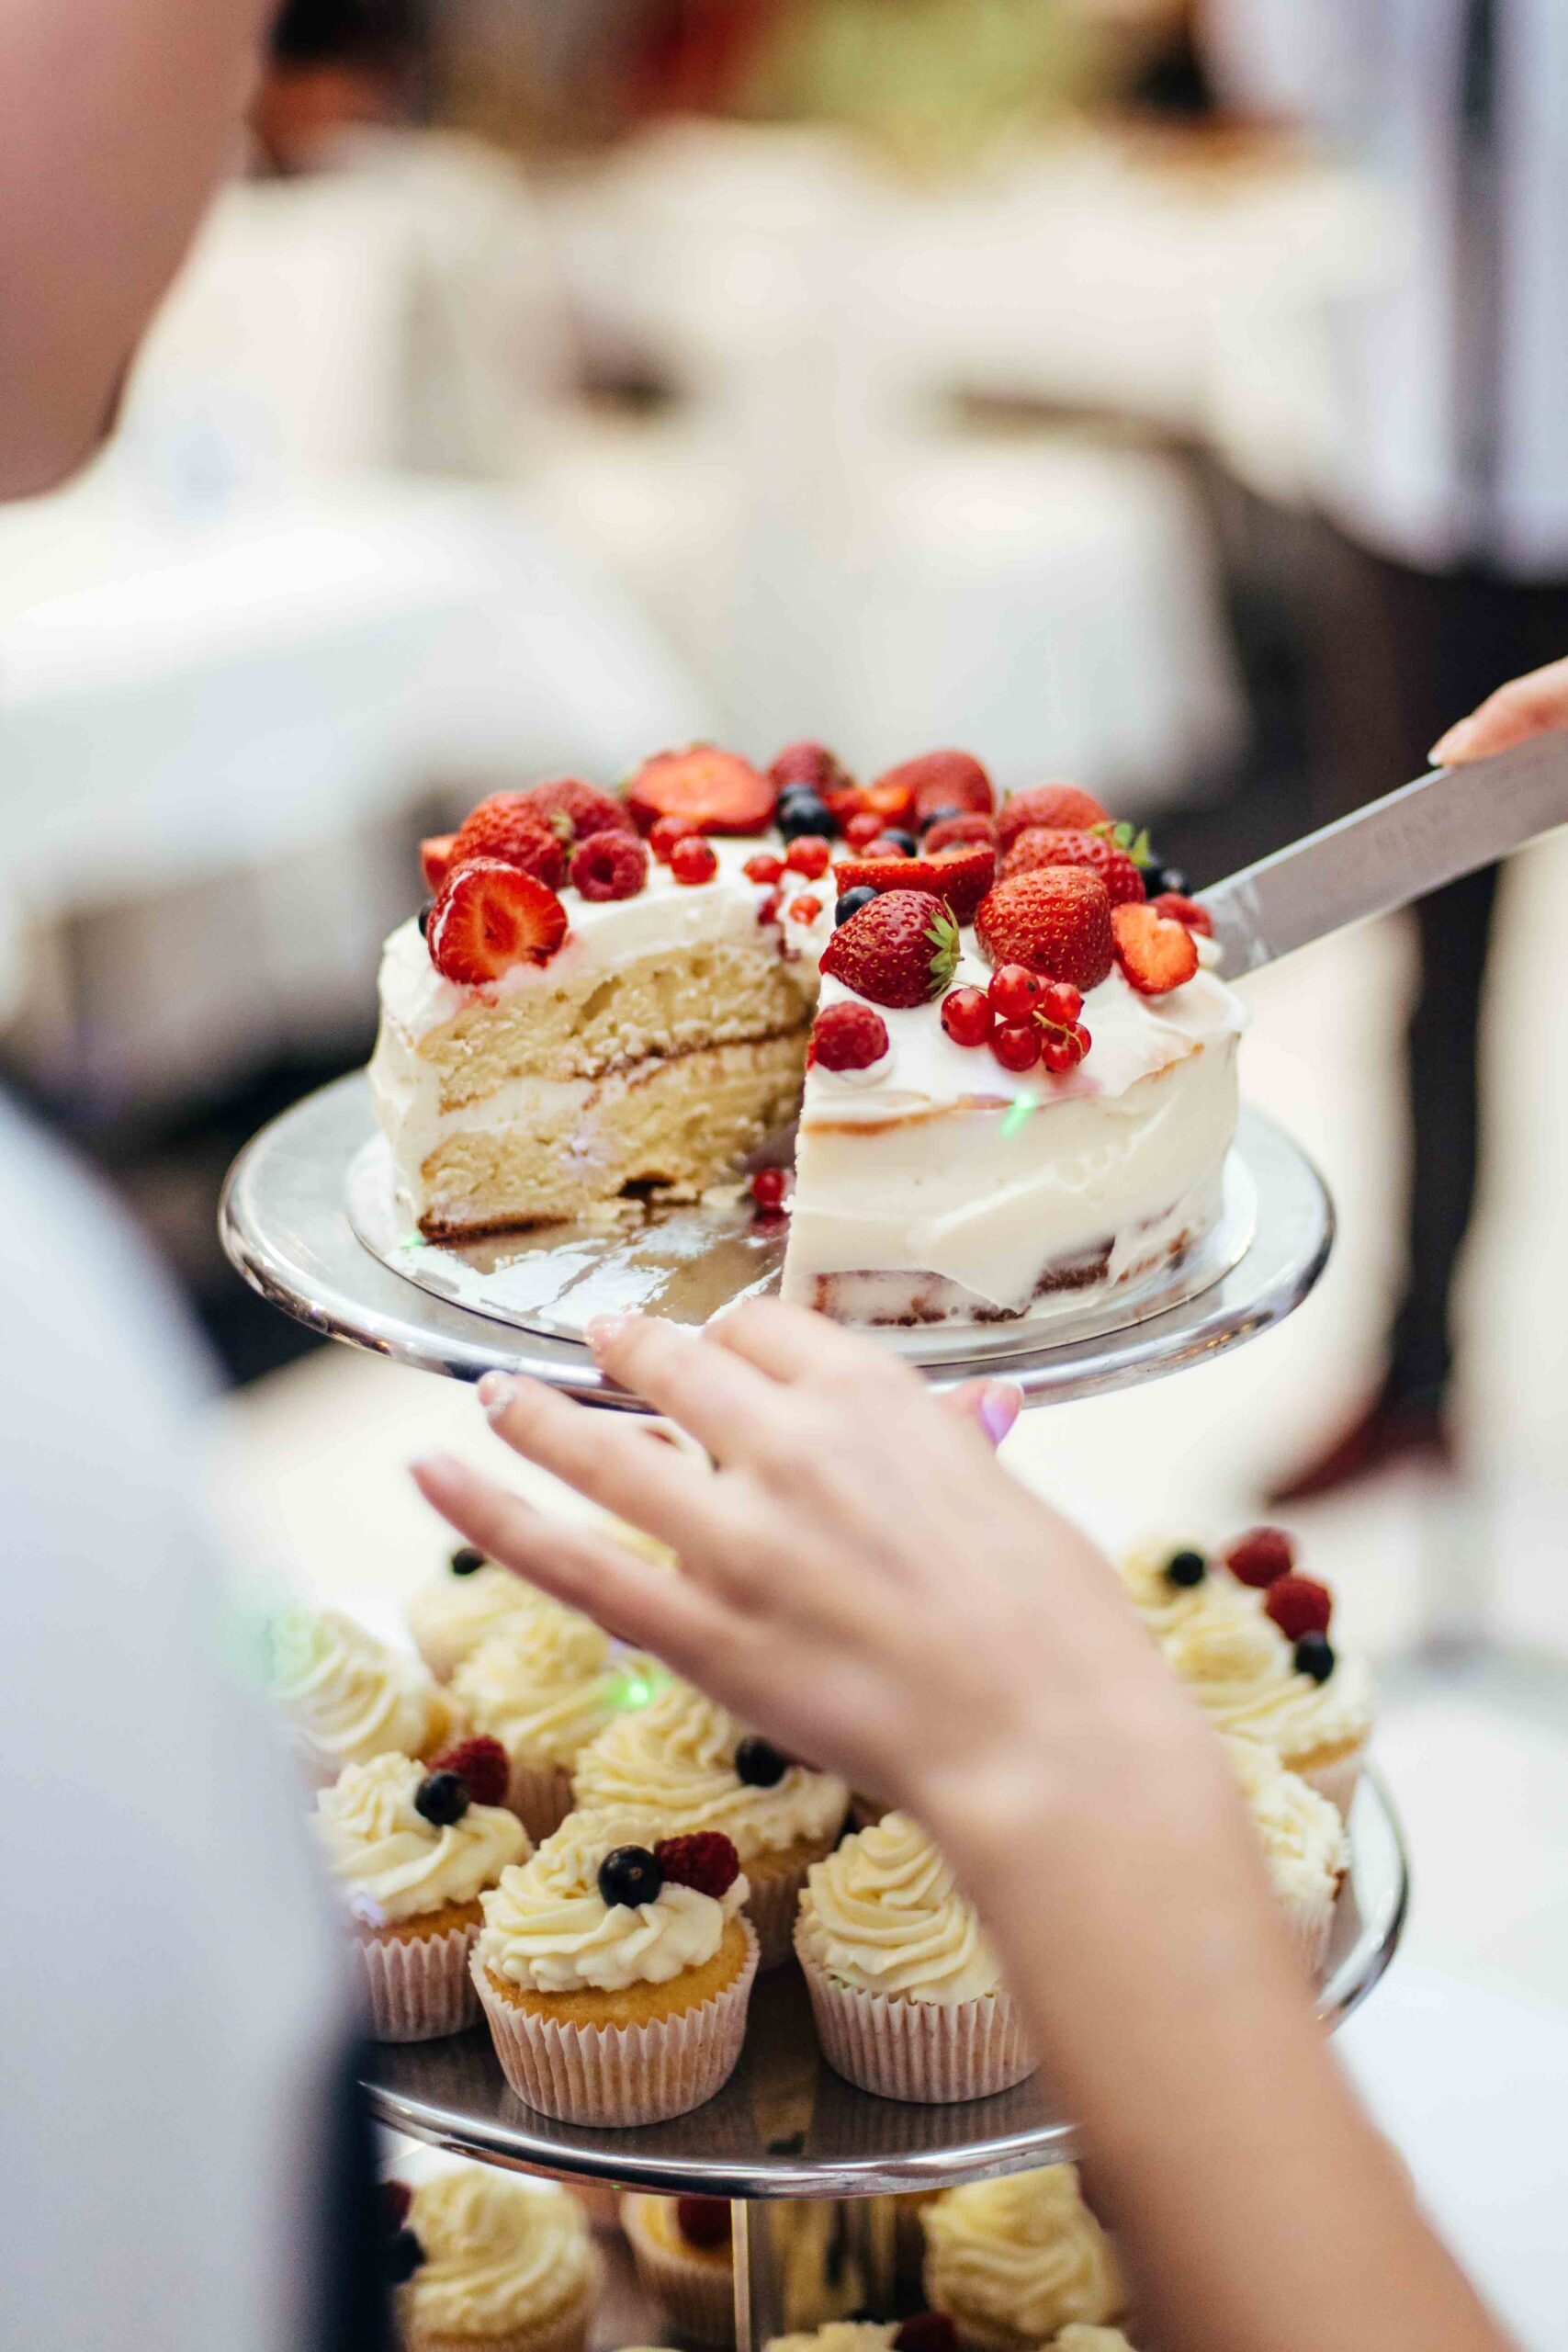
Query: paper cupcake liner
(930, 2053)
(420, 1989)
(1310, 1919)
(771, 1906)
(697, 2297)
(1337, 1778)
(540, 1796)
(564, 2331)
(611, 2076)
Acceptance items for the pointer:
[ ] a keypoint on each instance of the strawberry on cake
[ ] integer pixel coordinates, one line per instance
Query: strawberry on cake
(1019, 1068)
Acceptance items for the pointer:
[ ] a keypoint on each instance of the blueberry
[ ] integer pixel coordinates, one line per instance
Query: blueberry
(404, 2257)
(759, 1763)
(901, 840)
(467, 1561)
(1186, 1569)
(939, 816)
(424, 914)
(1157, 879)
(630, 1874)
(805, 814)
(852, 901)
(1315, 1657)
(442, 1798)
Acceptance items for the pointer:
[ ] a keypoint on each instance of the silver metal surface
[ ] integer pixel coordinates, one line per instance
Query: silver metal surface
(1396, 849)
(286, 1226)
(785, 2126)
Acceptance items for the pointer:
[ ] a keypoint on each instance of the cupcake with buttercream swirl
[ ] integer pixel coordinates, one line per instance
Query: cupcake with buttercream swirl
(908, 1995)
(1303, 1843)
(496, 2265)
(454, 1612)
(410, 1852)
(614, 1968)
(347, 1697)
(546, 1683)
(685, 1762)
(1015, 2261)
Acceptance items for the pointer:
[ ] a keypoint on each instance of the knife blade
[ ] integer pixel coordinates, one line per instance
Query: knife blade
(1396, 849)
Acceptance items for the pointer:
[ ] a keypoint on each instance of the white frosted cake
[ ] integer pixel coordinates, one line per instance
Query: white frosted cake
(1022, 1082)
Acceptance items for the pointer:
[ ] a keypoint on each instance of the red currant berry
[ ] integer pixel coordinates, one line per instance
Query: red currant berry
(665, 832)
(1060, 1002)
(769, 1186)
(768, 907)
(1016, 1045)
(764, 867)
(968, 1016)
(692, 860)
(1081, 1038)
(809, 855)
(804, 909)
(884, 845)
(1059, 1054)
(862, 829)
(1015, 991)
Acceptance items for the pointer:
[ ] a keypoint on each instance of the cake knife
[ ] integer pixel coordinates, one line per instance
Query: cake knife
(1445, 824)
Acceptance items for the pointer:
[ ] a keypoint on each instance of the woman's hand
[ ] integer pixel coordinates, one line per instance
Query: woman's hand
(1536, 704)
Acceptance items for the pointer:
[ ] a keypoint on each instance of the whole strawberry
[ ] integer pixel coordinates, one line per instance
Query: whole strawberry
(512, 827)
(1054, 920)
(575, 810)
(812, 764)
(899, 951)
(1048, 804)
(1060, 845)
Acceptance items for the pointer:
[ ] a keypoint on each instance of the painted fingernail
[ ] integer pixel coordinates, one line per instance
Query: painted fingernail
(495, 1394)
(1000, 1405)
(606, 1327)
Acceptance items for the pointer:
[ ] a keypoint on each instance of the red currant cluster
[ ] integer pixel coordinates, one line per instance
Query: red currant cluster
(1022, 1018)
(677, 843)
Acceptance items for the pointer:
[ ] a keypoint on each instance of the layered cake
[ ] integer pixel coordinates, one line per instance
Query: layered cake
(1013, 1061)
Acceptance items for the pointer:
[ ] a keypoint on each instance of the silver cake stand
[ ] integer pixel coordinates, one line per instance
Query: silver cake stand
(308, 1218)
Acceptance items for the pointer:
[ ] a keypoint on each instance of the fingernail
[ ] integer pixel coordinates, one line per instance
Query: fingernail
(495, 1392)
(606, 1327)
(1001, 1402)
(1451, 746)
(435, 1465)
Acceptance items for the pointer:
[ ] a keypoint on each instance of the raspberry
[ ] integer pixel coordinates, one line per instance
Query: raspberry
(766, 867)
(968, 1016)
(901, 950)
(483, 1763)
(812, 764)
(848, 1037)
(1015, 991)
(702, 2220)
(809, 855)
(1016, 1045)
(1047, 804)
(665, 832)
(1299, 1605)
(1260, 1555)
(1058, 845)
(692, 860)
(941, 780)
(609, 866)
(769, 1189)
(511, 827)
(805, 911)
(1154, 954)
(574, 810)
(1057, 920)
(706, 1858)
(950, 832)
(489, 917)
(1180, 909)
(862, 830)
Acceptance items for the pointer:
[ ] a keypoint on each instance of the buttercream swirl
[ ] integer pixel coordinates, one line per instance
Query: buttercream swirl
(1164, 1606)
(1303, 1837)
(348, 1696)
(548, 1929)
(1241, 1669)
(453, 1614)
(1079, 2337)
(840, 2335)
(498, 2254)
(883, 1913)
(1024, 2253)
(389, 1861)
(546, 1683)
(674, 1759)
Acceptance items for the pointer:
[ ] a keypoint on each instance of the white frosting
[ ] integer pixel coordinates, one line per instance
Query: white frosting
(348, 1696)
(1024, 2254)
(1304, 1838)
(392, 1863)
(501, 2254)
(884, 1913)
(673, 1762)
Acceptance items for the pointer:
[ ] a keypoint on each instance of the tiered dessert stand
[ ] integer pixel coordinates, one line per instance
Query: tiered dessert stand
(307, 1218)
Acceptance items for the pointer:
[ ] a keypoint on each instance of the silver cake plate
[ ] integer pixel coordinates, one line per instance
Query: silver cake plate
(785, 2125)
(309, 1217)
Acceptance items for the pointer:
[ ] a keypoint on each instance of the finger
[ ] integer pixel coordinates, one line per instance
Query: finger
(992, 1404)
(719, 1401)
(1536, 704)
(791, 1343)
(576, 1565)
(606, 1456)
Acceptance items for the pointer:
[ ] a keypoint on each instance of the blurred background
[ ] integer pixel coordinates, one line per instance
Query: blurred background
(1162, 394)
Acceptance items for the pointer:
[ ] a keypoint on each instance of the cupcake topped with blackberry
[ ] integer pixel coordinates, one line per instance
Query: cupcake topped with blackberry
(1015, 2261)
(686, 1763)
(482, 2258)
(347, 1697)
(451, 1615)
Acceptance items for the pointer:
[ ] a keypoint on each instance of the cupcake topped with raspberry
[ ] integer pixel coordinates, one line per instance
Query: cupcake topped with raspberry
(451, 1615)
(347, 1697)
(401, 1842)
(489, 2260)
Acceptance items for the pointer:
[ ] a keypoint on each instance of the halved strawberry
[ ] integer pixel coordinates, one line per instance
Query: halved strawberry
(1066, 845)
(890, 802)
(1155, 954)
(899, 950)
(941, 780)
(1181, 908)
(434, 859)
(1048, 804)
(1054, 920)
(512, 827)
(719, 791)
(960, 876)
(970, 827)
(490, 916)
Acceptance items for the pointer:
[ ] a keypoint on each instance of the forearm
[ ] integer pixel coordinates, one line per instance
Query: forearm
(115, 122)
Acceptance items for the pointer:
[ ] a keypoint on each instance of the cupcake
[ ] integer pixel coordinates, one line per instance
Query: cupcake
(690, 1766)
(412, 1851)
(1303, 1844)
(615, 1975)
(451, 1615)
(490, 2263)
(1014, 2261)
(925, 2332)
(1080, 2337)
(680, 2246)
(906, 1993)
(347, 1697)
(545, 1684)
(1249, 1638)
